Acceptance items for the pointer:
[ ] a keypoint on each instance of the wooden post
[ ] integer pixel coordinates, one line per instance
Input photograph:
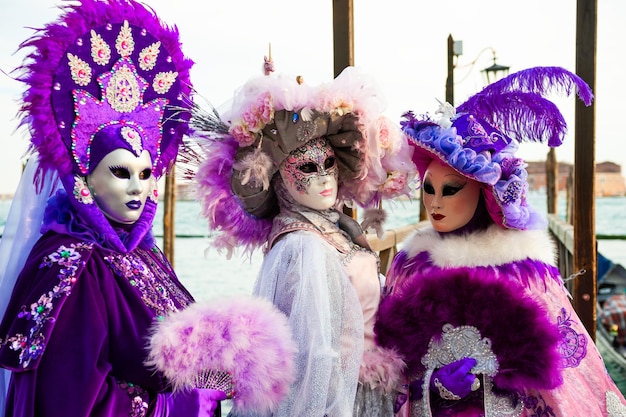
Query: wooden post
(585, 170)
(343, 35)
(570, 196)
(343, 48)
(169, 198)
(450, 78)
(552, 181)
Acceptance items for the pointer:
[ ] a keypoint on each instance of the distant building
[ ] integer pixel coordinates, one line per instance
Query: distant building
(609, 179)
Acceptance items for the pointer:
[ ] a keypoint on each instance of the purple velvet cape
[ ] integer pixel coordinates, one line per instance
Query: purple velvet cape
(95, 336)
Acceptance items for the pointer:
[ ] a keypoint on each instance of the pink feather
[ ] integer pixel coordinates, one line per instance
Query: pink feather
(382, 367)
(245, 336)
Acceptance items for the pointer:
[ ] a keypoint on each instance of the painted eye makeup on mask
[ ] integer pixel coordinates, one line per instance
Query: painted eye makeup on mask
(120, 172)
(447, 190)
(124, 173)
(312, 168)
(451, 189)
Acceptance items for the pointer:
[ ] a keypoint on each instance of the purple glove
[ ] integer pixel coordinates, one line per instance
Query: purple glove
(454, 381)
(192, 403)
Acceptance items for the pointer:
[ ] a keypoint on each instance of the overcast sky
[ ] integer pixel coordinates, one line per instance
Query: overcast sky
(401, 42)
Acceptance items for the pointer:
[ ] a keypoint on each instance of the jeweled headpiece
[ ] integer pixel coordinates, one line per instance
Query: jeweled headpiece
(480, 137)
(107, 75)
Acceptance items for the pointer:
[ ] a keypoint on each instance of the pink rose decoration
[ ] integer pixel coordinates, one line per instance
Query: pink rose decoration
(251, 120)
(388, 135)
(395, 184)
(265, 109)
(241, 135)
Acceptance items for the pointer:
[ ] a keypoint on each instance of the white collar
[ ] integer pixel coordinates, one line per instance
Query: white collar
(491, 247)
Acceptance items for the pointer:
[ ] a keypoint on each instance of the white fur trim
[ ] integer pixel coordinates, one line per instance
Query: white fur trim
(492, 247)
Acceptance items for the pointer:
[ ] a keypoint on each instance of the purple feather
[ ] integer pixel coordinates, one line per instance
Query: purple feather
(542, 80)
(235, 227)
(523, 338)
(516, 104)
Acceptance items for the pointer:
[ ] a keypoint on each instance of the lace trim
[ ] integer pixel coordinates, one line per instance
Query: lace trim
(357, 248)
(499, 406)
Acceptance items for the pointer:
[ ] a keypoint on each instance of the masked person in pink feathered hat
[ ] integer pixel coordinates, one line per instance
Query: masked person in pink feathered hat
(276, 173)
(474, 303)
(105, 105)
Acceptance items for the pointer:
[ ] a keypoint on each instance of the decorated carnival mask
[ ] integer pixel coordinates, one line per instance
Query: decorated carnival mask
(121, 184)
(310, 174)
(450, 198)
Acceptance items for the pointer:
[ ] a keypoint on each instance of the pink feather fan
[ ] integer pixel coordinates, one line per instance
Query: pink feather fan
(242, 346)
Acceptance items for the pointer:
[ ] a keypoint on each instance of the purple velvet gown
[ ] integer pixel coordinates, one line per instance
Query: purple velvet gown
(77, 326)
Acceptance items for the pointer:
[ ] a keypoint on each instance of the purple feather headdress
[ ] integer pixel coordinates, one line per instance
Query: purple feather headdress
(106, 75)
(480, 137)
(242, 346)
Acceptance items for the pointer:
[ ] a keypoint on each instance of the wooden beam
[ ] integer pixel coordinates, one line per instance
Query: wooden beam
(343, 48)
(343, 35)
(584, 169)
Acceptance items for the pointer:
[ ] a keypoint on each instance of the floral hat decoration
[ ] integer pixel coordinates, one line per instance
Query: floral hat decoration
(480, 137)
(108, 74)
(271, 116)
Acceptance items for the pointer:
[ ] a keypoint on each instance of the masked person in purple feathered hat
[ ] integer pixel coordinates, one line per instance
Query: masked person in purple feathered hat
(278, 167)
(475, 303)
(106, 111)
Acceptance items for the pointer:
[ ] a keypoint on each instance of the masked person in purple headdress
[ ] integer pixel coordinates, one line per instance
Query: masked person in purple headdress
(475, 303)
(276, 174)
(106, 110)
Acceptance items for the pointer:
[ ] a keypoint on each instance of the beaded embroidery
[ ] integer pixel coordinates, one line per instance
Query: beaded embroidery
(148, 56)
(81, 191)
(461, 342)
(157, 292)
(139, 398)
(31, 346)
(100, 51)
(80, 70)
(458, 343)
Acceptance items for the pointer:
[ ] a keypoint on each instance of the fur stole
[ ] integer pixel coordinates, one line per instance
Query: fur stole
(491, 247)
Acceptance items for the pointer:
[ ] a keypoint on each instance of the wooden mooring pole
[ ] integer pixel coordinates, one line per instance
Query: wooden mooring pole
(169, 200)
(552, 182)
(343, 48)
(585, 169)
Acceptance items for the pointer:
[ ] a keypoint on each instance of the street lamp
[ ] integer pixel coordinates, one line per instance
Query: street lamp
(495, 71)
(491, 73)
